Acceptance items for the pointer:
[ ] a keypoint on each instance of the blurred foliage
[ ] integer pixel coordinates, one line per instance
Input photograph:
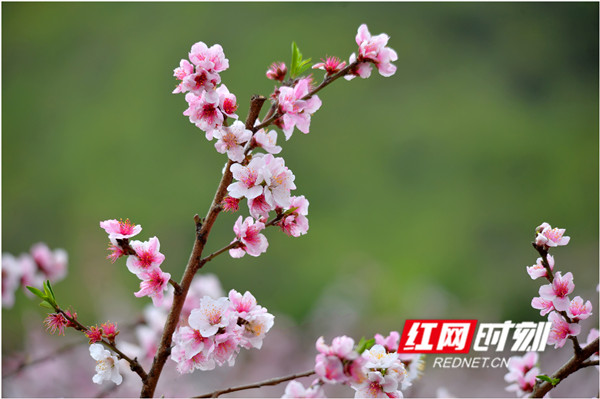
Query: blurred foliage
(425, 187)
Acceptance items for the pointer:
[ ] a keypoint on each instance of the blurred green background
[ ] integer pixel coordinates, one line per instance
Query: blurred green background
(424, 188)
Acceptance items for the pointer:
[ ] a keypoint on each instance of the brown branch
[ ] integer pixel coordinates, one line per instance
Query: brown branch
(134, 365)
(203, 228)
(270, 382)
(577, 362)
(543, 251)
(210, 257)
(176, 286)
(326, 81)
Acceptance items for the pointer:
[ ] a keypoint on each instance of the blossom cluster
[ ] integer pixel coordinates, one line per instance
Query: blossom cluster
(522, 373)
(150, 330)
(553, 301)
(378, 371)
(31, 269)
(143, 258)
(216, 331)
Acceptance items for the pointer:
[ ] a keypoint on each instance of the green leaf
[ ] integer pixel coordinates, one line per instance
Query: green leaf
(298, 65)
(47, 305)
(303, 66)
(296, 59)
(36, 292)
(364, 344)
(552, 381)
(49, 294)
(291, 210)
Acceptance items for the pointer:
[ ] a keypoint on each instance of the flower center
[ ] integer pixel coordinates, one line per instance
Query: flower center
(250, 179)
(230, 140)
(125, 227)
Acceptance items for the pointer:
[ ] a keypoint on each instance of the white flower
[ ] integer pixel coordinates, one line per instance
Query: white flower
(107, 365)
(210, 316)
(378, 358)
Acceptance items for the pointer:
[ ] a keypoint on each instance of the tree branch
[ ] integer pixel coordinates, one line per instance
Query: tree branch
(134, 365)
(194, 263)
(326, 81)
(577, 362)
(273, 381)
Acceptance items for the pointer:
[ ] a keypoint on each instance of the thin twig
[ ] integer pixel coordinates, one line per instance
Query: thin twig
(210, 257)
(273, 381)
(543, 251)
(575, 363)
(194, 264)
(133, 363)
(326, 81)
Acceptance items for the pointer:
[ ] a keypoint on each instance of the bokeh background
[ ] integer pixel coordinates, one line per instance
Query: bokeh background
(425, 188)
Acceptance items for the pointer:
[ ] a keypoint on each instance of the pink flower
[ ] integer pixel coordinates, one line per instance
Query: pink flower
(210, 316)
(94, 334)
(538, 270)
(202, 285)
(56, 322)
(295, 223)
(53, 264)
(193, 342)
(245, 304)
(362, 69)
(295, 389)
(561, 330)
(550, 237)
(199, 82)
(201, 361)
(330, 369)
(154, 282)
(185, 69)
(296, 111)
(119, 229)
(543, 305)
(255, 327)
(578, 311)
(230, 204)
(259, 207)
(212, 59)
(279, 181)
(11, 279)
(204, 111)
(147, 256)
(376, 385)
(248, 179)
(268, 141)
(109, 330)
(391, 342)
(231, 140)
(29, 272)
(524, 383)
(558, 291)
(227, 347)
(373, 49)
(331, 65)
(342, 347)
(115, 251)
(277, 71)
(248, 232)
(518, 366)
(227, 102)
